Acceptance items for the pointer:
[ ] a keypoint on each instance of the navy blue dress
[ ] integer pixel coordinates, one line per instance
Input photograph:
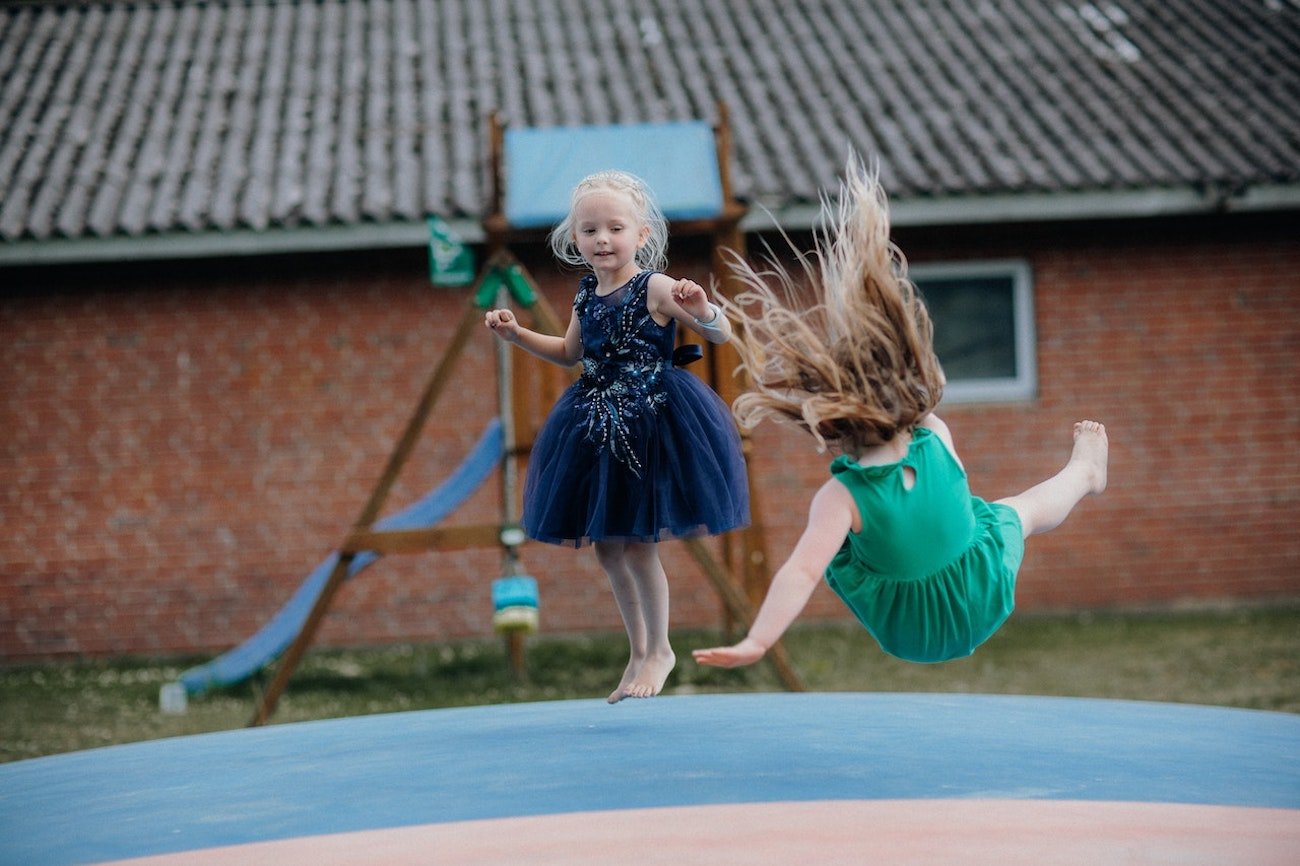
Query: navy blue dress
(636, 449)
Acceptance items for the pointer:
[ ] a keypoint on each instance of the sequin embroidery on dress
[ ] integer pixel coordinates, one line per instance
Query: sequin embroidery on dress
(622, 365)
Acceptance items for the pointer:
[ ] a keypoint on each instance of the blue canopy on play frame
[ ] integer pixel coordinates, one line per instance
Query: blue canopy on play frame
(678, 161)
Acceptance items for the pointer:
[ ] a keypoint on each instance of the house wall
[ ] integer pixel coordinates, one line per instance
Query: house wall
(185, 442)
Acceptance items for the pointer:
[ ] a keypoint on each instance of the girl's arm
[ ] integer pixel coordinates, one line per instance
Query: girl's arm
(688, 303)
(565, 351)
(829, 519)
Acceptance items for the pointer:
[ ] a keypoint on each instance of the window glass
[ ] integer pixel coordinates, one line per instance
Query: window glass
(983, 328)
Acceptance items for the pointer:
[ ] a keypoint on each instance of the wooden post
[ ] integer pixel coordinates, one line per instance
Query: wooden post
(744, 553)
(515, 648)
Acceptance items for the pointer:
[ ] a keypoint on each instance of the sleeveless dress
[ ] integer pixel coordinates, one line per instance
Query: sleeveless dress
(636, 449)
(932, 574)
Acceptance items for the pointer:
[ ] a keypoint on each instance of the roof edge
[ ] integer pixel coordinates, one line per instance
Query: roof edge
(1050, 207)
(914, 212)
(239, 242)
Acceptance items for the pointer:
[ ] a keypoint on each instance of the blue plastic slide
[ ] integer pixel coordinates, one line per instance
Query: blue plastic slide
(275, 637)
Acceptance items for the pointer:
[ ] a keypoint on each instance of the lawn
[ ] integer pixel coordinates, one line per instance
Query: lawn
(1243, 658)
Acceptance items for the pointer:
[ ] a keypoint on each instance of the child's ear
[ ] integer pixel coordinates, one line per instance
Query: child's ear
(643, 236)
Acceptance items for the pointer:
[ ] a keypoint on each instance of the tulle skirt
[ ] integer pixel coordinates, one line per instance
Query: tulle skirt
(684, 474)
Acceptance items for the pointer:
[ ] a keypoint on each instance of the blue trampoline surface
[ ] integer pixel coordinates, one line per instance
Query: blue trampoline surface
(437, 766)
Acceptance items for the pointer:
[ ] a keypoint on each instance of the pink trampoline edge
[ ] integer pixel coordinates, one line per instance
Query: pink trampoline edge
(1002, 832)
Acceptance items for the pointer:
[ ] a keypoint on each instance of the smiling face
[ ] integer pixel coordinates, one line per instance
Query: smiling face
(608, 232)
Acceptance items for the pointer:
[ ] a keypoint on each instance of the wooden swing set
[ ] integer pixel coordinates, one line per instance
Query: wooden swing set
(739, 575)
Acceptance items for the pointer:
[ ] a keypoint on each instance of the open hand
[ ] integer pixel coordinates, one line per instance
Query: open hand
(746, 652)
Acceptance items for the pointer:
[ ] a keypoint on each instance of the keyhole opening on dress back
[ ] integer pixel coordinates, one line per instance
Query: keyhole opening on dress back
(909, 477)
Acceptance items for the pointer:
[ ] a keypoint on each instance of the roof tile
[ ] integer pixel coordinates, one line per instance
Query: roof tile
(124, 119)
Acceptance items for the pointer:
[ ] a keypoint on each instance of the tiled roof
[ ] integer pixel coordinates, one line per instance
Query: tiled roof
(137, 119)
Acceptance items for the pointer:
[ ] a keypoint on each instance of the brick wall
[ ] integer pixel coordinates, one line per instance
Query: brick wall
(183, 444)
(1184, 339)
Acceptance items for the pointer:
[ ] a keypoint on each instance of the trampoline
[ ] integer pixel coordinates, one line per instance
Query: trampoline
(756, 778)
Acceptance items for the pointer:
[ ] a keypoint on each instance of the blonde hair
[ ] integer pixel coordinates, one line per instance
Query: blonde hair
(855, 366)
(653, 254)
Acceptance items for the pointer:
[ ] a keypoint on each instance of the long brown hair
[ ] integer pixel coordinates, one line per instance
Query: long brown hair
(856, 364)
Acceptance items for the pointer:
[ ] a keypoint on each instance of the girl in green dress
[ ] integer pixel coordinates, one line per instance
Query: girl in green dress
(927, 568)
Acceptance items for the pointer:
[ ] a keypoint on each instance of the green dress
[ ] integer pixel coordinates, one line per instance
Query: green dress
(932, 574)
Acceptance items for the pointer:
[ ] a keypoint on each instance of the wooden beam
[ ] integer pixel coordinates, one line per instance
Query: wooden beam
(389, 541)
(432, 390)
(739, 607)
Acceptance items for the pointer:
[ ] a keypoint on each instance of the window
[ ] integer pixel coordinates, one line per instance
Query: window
(983, 316)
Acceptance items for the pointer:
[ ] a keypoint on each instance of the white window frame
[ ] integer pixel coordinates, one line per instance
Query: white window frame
(1023, 386)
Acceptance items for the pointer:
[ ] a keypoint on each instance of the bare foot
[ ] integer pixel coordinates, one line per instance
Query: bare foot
(649, 681)
(1092, 451)
(629, 674)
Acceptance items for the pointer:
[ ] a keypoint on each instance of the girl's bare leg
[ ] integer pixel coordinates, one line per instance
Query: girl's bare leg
(1044, 506)
(613, 559)
(657, 660)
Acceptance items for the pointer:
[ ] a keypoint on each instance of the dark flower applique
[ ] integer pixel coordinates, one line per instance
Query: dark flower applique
(622, 373)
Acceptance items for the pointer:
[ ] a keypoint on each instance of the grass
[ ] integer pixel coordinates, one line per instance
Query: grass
(1247, 658)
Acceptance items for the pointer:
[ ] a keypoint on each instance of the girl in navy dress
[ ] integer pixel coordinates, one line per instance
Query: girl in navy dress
(636, 450)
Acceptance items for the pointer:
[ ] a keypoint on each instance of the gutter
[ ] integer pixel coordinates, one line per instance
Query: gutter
(1049, 207)
(905, 212)
(235, 242)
